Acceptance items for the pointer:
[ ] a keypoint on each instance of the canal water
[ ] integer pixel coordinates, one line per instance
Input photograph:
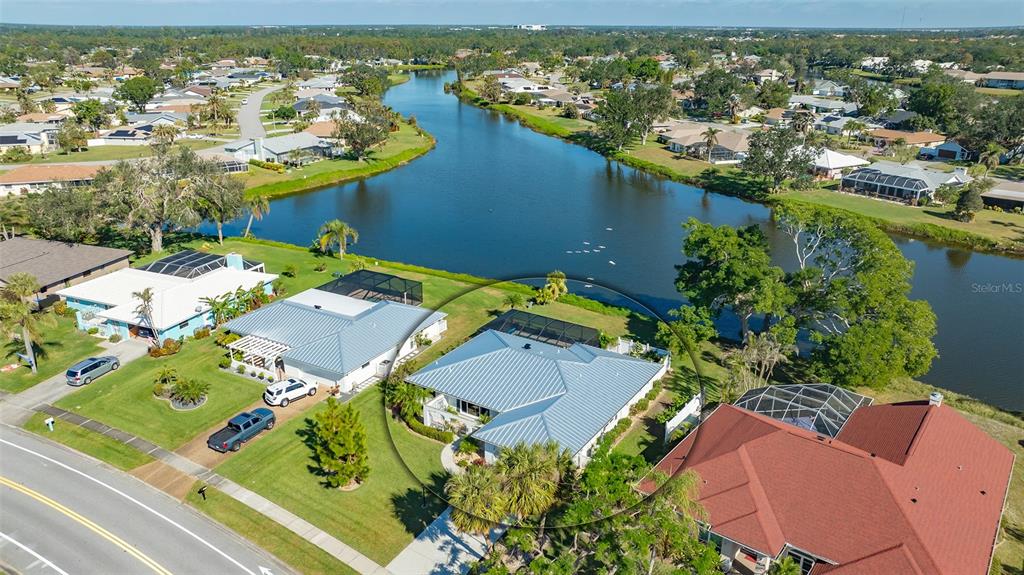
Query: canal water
(498, 200)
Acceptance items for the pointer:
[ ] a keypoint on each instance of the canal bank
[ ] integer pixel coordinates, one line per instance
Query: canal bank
(496, 199)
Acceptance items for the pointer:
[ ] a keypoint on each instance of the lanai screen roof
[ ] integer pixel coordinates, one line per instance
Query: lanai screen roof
(191, 264)
(872, 176)
(819, 407)
(376, 286)
(543, 329)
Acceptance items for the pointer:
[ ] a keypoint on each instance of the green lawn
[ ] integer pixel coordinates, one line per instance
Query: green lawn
(1004, 228)
(379, 518)
(61, 346)
(89, 442)
(298, 553)
(999, 92)
(103, 153)
(657, 153)
(401, 147)
(124, 399)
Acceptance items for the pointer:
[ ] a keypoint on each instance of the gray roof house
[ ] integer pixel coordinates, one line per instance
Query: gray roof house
(330, 338)
(908, 183)
(57, 264)
(36, 136)
(280, 149)
(534, 392)
(326, 102)
(822, 104)
(828, 88)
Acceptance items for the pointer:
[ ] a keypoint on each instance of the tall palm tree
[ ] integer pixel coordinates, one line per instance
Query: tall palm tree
(258, 206)
(710, 139)
(477, 501)
(16, 312)
(801, 122)
(531, 474)
(337, 233)
(145, 309)
(990, 157)
(853, 127)
(220, 307)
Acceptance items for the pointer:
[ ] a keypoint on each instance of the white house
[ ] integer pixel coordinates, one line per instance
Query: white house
(506, 389)
(280, 149)
(331, 338)
(180, 283)
(831, 164)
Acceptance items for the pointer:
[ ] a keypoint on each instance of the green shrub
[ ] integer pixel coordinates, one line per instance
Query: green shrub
(225, 338)
(270, 379)
(240, 370)
(159, 390)
(114, 338)
(15, 156)
(437, 434)
(640, 406)
(225, 362)
(93, 330)
(279, 168)
(290, 270)
(467, 447)
(186, 390)
(169, 347)
(260, 376)
(61, 308)
(201, 333)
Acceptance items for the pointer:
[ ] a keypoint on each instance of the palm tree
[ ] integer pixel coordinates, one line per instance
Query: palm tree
(164, 136)
(710, 139)
(514, 300)
(853, 127)
(258, 206)
(220, 307)
(531, 474)
(801, 122)
(477, 501)
(337, 232)
(145, 308)
(16, 312)
(787, 566)
(990, 157)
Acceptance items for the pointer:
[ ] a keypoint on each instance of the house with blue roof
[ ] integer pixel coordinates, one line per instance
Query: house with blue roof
(504, 389)
(332, 338)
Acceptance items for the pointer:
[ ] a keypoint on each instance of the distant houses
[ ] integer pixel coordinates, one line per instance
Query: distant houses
(57, 265)
(296, 148)
(34, 178)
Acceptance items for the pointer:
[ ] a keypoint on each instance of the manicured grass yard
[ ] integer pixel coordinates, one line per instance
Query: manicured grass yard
(379, 518)
(103, 153)
(61, 346)
(657, 153)
(1003, 227)
(124, 399)
(300, 554)
(89, 442)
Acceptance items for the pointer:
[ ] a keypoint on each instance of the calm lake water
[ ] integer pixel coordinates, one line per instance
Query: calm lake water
(498, 200)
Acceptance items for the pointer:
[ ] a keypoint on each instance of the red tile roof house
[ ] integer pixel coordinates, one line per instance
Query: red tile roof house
(906, 488)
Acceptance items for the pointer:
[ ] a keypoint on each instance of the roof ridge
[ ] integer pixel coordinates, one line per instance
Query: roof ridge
(769, 520)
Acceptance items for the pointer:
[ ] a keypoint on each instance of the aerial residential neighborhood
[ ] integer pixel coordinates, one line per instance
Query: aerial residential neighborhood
(511, 288)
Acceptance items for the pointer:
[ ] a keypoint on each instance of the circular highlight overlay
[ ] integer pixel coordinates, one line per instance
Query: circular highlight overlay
(510, 361)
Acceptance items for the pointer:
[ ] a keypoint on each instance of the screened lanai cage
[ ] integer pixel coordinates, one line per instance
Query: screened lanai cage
(819, 407)
(543, 329)
(192, 264)
(871, 180)
(376, 286)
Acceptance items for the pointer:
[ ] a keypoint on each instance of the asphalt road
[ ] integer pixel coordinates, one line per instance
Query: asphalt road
(65, 514)
(250, 124)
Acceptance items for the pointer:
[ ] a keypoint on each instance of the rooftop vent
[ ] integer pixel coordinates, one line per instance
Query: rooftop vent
(318, 306)
(527, 346)
(935, 398)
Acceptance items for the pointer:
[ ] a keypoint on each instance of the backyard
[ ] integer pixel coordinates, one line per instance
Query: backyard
(61, 346)
(379, 518)
(111, 153)
(124, 399)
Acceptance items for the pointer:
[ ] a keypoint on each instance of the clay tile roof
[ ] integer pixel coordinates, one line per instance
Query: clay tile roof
(910, 137)
(321, 129)
(48, 173)
(766, 484)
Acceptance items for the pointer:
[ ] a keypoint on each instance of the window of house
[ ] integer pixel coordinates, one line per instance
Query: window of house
(183, 325)
(367, 364)
(805, 561)
(470, 408)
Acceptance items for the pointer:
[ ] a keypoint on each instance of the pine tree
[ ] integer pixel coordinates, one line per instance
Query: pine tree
(340, 444)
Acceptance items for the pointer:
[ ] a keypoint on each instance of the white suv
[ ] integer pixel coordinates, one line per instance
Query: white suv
(284, 392)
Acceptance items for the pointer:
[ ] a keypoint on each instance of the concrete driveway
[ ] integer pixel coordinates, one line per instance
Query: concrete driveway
(16, 409)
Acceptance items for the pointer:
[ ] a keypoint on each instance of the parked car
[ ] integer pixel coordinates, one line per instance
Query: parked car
(83, 372)
(245, 101)
(284, 392)
(241, 428)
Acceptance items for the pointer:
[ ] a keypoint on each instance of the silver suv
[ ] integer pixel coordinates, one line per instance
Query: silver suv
(83, 372)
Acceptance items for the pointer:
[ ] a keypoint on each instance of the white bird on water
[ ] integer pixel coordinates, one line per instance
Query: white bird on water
(586, 243)
(602, 247)
(611, 262)
(609, 229)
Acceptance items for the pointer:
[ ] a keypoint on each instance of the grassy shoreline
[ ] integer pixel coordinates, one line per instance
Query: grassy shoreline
(732, 182)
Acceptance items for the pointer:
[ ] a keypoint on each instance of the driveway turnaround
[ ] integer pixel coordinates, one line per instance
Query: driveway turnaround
(64, 513)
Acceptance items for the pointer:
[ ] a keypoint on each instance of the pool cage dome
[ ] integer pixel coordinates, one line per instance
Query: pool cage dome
(543, 329)
(376, 286)
(818, 407)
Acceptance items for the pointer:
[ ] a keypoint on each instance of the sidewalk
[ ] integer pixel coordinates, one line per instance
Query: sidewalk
(294, 523)
(441, 549)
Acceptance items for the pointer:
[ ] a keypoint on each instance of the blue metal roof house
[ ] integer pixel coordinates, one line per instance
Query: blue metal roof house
(534, 392)
(331, 338)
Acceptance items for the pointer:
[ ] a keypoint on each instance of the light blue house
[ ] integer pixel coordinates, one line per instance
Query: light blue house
(180, 283)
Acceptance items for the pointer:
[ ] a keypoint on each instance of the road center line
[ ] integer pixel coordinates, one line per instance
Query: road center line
(28, 550)
(91, 525)
(135, 501)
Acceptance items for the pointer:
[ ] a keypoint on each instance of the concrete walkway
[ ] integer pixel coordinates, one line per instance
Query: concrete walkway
(448, 458)
(16, 409)
(441, 549)
(289, 520)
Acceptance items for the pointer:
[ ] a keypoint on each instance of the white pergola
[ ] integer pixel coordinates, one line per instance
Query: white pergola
(258, 351)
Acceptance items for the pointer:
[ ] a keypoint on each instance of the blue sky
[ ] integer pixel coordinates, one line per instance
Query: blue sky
(798, 13)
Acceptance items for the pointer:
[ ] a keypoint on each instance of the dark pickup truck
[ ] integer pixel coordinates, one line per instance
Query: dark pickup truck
(241, 428)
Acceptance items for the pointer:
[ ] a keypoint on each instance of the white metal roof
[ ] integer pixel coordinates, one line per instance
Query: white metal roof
(175, 299)
(339, 304)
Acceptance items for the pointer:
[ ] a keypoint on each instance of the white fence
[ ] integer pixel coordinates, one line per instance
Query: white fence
(690, 411)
